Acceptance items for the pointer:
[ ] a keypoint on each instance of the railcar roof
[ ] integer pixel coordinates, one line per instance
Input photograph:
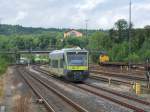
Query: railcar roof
(74, 49)
(59, 53)
(67, 50)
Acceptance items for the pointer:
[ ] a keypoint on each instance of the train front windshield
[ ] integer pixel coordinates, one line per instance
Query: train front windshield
(77, 58)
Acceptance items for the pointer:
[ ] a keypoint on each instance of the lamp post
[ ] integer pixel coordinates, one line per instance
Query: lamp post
(86, 27)
(0, 20)
(0, 23)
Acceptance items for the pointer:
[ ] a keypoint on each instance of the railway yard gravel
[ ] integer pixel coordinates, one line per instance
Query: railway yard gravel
(120, 88)
(17, 90)
(123, 89)
(89, 101)
(58, 104)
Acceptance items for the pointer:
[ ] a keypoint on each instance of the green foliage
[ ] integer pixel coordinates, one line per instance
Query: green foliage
(138, 39)
(3, 65)
(116, 43)
(113, 41)
(134, 58)
(98, 42)
(122, 30)
(119, 52)
(74, 41)
(144, 51)
(146, 54)
(20, 30)
(121, 24)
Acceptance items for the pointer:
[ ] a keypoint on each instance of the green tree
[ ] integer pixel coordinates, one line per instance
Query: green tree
(137, 40)
(75, 41)
(98, 42)
(147, 31)
(122, 27)
(119, 52)
(134, 58)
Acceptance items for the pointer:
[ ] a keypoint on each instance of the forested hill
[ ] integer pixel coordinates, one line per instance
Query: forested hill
(17, 29)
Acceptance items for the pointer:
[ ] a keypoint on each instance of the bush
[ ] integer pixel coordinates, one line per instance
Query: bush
(134, 58)
(94, 57)
(118, 52)
(146, 54)
(74, 41)
(3, 65)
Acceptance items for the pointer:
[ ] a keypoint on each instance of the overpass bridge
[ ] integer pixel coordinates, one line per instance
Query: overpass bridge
(17, 54)
(35, 51)
(26, 52)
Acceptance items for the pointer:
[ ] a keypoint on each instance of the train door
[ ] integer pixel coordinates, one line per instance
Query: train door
(60, 69)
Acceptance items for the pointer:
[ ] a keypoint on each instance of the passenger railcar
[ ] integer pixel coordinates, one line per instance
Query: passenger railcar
(71, 64)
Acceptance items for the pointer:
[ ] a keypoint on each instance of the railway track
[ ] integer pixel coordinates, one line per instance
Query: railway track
(116, 77)
(29, 82)
(112, 79)
(44, 91)
(119, 94)
(116, 81)
(119, 69)
(113, 74)
(114, 98)
(135, 104)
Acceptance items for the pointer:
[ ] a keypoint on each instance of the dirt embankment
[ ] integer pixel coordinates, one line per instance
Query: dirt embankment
(2, 78)
(15, 94)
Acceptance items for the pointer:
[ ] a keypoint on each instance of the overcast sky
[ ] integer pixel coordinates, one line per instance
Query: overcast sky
(73, 13)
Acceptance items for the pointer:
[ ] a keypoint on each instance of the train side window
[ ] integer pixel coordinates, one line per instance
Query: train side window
(55, 63)
(61, 63)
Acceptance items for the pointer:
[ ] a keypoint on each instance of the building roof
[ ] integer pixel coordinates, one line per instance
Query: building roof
(73, 33)
(71, 30)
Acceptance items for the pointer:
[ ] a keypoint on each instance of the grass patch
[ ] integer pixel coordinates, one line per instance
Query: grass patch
(1, 88)
(3, 66)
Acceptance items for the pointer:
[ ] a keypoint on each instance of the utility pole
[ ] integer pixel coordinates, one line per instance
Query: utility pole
(86, 27)
(147, 68)
(0, 23)
(130, 4)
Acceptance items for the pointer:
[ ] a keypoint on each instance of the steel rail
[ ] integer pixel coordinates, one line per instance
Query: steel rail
(107, 97)
(115, 81)
(112, 99)
(118, 75)
(44, 100)
(69, 101)
(119, 94)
